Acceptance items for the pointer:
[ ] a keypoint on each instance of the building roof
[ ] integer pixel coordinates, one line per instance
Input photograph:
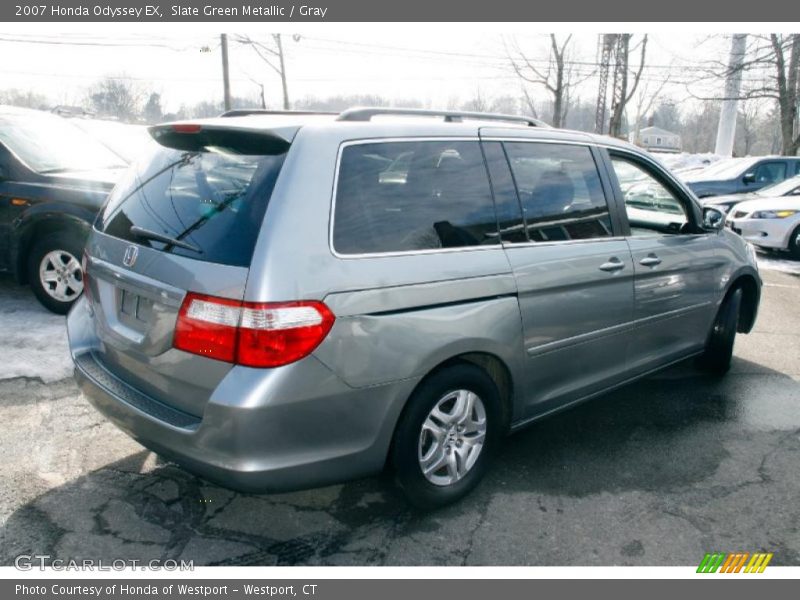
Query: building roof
(655, 131)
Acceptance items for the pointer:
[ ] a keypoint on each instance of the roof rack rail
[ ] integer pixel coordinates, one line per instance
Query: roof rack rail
(244, 112)
(450, 116)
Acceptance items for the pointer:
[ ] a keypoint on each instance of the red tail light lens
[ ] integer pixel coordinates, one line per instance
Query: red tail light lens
(251, 334)
(207, 326)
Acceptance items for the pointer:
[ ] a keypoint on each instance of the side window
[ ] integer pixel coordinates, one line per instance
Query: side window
(406, 196)
(651, 207)
(560, 191)
(797, 167)
(771, 172)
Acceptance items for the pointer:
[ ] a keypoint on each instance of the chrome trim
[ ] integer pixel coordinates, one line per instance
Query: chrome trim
(510, 245)
(168, 294)
(591, 336)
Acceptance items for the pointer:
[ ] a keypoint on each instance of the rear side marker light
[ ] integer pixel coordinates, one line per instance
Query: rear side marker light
(252, 334)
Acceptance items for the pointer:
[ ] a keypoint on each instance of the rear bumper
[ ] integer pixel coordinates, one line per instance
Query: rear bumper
(263, 430)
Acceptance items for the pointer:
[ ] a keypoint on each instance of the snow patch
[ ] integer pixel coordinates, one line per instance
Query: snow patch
(769, 263)
(34, 339)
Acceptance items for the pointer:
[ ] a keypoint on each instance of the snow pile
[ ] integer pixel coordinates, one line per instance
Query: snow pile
(34, 340)
(770, 263)
(687, 162)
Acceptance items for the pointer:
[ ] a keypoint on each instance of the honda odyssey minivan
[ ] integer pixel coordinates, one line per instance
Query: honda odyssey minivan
(282, 301)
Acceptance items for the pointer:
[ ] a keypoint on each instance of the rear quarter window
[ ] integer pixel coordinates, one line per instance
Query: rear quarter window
(410, 196)
(215, 201)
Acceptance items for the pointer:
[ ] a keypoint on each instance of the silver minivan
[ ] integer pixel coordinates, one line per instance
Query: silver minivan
(282, 300)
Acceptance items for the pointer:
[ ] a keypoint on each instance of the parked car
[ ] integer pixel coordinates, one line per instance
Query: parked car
(128, 141)
(772, 223)
(741, 175)
(786, 188)
(53, 180)
(287, 301)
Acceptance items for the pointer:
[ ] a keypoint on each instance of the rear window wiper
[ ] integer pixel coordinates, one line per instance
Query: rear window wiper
(160, 237)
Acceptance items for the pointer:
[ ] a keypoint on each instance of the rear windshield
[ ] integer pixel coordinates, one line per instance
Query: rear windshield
(212, 202)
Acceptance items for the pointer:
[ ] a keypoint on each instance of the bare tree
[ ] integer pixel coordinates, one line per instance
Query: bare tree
(25, 99)
(558, 77)
(117, 97)
(772, 66)
(478, 102)
(271, 53)
(645, 99)
(624, 86)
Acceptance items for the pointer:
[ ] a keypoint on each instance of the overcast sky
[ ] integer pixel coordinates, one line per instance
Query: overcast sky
(398, 61)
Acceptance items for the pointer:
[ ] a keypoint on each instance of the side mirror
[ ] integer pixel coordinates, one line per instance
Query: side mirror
(713, 218)
(749, 178)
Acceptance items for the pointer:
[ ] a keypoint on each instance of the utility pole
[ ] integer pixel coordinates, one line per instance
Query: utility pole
(607, 43)
(226, 80)
(285, 87)
(726, 130)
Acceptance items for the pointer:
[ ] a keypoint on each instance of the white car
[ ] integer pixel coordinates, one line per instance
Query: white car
(768, 223)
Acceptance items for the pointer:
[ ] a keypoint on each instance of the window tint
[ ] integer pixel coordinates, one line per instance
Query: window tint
(651, 207)
(404, 196)
(213, 201)
(771, 172)
(797, 167)
(560, 191)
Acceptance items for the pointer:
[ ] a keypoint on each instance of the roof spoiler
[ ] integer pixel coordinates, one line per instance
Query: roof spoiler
(197, 137)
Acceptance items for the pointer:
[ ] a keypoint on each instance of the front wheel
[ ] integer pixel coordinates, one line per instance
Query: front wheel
(719, 348)
(54, 271)
(447, 435)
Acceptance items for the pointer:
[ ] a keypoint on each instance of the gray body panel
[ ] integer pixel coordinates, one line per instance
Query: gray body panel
(563, 328)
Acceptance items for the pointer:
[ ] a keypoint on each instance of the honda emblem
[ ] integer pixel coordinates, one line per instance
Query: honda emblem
(131, 252)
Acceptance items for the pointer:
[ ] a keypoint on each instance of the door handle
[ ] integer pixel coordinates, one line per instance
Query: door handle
(613, 264)
(650, 260)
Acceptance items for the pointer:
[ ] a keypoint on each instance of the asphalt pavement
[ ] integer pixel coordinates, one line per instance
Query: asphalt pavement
(657, 473)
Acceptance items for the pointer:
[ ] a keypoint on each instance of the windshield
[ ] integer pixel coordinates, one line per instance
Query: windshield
(782, 188)
(49, 144)
(726, 169)
(128, 141)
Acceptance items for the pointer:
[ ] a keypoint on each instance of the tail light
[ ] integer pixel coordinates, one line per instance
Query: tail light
(253, 334)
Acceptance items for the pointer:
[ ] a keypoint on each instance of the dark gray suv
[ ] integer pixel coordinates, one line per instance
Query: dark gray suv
(278, 301)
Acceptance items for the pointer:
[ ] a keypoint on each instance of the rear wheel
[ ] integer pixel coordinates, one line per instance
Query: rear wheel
(54, 271)
(794, 243)
(719, 348)
(447, 435)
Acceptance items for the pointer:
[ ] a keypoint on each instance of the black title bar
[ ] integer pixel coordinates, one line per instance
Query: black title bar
(407, 10)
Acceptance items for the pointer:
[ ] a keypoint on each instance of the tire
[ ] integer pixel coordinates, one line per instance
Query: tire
(794, 244)
(716, 358)
(414, 446)
(54, 271)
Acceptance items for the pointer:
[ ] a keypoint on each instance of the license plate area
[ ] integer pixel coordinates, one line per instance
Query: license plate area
(134, 309)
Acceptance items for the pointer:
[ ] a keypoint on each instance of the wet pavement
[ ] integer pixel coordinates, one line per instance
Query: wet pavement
(657, 473)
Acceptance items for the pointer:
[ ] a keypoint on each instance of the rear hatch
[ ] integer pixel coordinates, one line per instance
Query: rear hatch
(185, 219)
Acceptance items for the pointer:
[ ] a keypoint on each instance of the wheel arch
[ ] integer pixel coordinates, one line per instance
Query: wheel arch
(37, 226)
(751, 297)
(497, 370)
